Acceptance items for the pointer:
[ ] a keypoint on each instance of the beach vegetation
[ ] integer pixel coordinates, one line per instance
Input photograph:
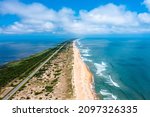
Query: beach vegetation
(49, 88)
(59, 70)
(54, 81)
(56, 74)
(37, 93)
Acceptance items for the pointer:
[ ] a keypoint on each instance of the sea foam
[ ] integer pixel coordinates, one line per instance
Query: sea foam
(101, 71)
(107, 95)
(86, 55)
(100, 68)
(79, 43)
(111, 82)
(85, 59)
(85, 50)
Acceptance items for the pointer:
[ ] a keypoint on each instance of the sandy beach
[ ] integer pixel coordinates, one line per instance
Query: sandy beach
(82, 78)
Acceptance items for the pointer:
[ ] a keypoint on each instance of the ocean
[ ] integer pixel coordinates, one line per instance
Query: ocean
(16, 47)
(120, 66)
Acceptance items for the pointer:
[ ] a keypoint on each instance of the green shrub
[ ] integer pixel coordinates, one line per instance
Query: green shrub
(37, 93)
(49, 88)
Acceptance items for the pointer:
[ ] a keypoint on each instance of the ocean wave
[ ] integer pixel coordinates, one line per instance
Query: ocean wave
(107, 95)
(101, 71)
(86, 55)
(79, 43)
(111, 82)
(85, 50)
(100, 68)
(85, 59)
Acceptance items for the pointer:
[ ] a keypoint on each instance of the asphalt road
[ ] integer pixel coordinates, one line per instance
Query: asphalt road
(12, 92)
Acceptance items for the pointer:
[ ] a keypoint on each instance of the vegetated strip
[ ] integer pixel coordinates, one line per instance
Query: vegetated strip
(55, 51)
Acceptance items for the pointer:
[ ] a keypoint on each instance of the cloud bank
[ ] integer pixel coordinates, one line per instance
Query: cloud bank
(105, 19)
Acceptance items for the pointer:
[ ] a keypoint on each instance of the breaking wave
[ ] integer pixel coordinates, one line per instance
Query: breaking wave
(79, 43)
(85, 59)
(101, 71)
(100, 68)
(111, 82)
(107, 95)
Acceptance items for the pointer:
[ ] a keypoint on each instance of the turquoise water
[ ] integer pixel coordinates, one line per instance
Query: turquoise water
(120, 65)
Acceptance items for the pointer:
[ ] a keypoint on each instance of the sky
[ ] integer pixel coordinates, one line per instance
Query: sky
(77, 17)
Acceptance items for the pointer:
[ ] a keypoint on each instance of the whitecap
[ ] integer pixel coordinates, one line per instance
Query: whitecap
(85, 50)
(79, 43)
(100, 68)
(104, 64)
(108, 95)
(86, 55)
(85, 59)
(111, 82)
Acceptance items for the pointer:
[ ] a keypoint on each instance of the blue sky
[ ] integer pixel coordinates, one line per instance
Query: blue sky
(88, 4)
(79, 17)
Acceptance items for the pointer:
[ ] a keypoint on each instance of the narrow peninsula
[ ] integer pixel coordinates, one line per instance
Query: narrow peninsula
(54, 74)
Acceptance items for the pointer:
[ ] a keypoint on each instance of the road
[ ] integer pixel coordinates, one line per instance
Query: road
(12, 92)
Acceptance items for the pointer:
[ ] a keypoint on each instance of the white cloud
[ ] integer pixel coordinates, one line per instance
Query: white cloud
(144, 17)
(31, 11)
(34, 17)
(109, 18)
(109, 14)
(147, 4)
(104, 19)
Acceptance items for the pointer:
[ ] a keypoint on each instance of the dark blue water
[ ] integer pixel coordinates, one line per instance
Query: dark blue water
(15, 47)
(120, 65)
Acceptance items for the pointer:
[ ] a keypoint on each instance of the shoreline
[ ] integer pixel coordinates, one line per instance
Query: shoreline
(82, 78)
